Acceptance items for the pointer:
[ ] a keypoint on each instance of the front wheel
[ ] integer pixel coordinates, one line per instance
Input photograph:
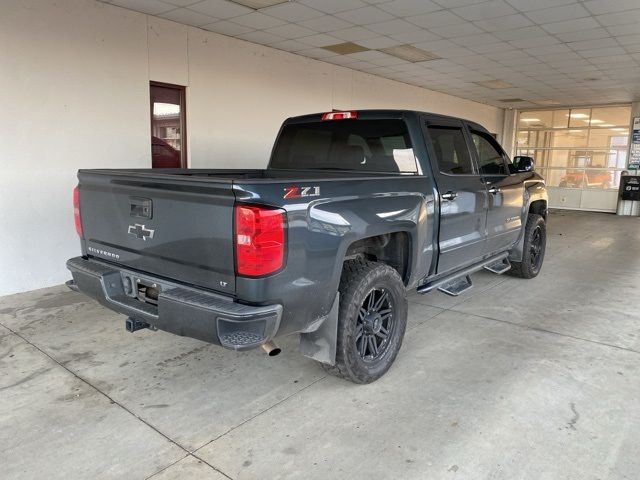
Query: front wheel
(371, 321)
(535, 243)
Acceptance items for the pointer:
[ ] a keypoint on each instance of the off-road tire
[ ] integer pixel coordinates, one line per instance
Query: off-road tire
(530, 265)
(359, 279)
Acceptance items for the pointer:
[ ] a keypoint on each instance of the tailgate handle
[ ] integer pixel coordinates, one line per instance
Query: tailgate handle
(141, 207)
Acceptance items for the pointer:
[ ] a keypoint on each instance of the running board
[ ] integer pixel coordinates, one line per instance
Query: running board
(499, 267)
(456, 286)
(447, 282)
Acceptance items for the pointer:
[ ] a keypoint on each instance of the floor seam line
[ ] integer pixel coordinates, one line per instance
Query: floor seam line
(114, 402)
(537, 329)
(258, 414)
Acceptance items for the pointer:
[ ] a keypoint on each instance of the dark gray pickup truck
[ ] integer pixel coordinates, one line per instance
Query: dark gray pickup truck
(354, 210)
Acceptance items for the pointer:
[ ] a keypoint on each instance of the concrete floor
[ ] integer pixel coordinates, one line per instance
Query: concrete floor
(513, 380)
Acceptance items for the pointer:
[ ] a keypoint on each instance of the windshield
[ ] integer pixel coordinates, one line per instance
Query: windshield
(357, 145)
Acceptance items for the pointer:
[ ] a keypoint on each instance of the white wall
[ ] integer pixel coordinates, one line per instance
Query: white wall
(74, 90)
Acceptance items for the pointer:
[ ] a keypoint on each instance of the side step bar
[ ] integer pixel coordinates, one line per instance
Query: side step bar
(457, 282)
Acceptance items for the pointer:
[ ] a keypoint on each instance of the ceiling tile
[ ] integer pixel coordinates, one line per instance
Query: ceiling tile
(619, 18)
(379, 42)
(556, 14)
(177, 3)
(290, 31)
(188, 17)
(365, 15)
(491, 47)
(326, 23)
(503, 23)
(547, 49)
(260, 37)
(477, 39)
(415, 36)
(291, 12)
(534, 42)
(590, 44)
(571, 25)
(333, 6)
(152, 7)
(481, 11)
(226, 27)
(354, 34)
(598, 52)
(405, 8)
(393, 26)
(290, 46)
(457, 30)
(436, 19)
(316, 53)
(580, 35)
(529, 5)
(456, 3)
(320, 40)
(622, 29)
(258, 21)
(220, 8)
(598, 7)
(518, 33)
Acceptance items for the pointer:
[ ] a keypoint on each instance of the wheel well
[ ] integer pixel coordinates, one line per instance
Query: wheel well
(389, 248)
(539, 207)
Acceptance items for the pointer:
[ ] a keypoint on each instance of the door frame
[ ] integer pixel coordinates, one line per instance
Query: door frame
(183, 117)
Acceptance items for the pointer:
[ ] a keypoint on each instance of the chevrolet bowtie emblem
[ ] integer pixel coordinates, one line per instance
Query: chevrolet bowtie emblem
(140, 231)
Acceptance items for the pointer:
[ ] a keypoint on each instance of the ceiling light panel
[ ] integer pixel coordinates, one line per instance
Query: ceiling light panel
(494, 84)
(346, 48)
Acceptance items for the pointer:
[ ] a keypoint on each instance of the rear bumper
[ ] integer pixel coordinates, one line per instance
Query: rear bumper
(181, 310)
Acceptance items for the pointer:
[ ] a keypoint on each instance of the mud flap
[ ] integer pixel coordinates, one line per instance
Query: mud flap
(320, 344)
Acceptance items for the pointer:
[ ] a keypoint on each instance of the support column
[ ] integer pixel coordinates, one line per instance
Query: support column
(629, 207)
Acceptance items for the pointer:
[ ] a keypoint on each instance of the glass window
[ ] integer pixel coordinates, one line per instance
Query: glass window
(167, 126)
(491, 161)
(581, 148)
(360, 145)
(579, 117)
(451, 150)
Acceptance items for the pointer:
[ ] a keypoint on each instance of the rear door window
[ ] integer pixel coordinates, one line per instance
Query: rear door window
(357, 145)
(451, 150)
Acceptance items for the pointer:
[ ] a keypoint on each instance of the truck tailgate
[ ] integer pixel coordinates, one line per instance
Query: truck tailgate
(172, 226)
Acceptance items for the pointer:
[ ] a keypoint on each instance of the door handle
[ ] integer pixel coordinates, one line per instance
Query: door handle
(494, 190)
(449, 195)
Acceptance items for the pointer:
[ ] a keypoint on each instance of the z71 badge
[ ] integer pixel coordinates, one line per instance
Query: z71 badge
(300, 192)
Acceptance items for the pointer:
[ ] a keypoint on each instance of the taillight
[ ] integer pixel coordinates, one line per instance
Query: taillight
(259, 240)
(76, 210)
(339, 116)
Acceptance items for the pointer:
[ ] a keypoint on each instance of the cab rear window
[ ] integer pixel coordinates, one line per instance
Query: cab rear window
(356, 145)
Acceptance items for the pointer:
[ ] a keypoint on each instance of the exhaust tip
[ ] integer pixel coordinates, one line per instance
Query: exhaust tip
(270, 349)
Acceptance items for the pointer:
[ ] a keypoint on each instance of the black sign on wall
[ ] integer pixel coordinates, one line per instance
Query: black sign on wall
(630, 187)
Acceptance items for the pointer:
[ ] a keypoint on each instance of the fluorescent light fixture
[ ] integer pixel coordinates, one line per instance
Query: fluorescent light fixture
(258, 4)
(529, 119)
(605, 124)
(620, 130)
(346, 48)
(494, 84)
(578, 115)
(595, 120)
(410, 53)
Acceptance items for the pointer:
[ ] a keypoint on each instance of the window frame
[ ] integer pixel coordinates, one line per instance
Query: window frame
(183, 118)
(445, 122)
(506, 161)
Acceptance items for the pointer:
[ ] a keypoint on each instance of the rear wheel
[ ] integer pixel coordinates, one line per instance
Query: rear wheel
(371, 322)
(535, 241)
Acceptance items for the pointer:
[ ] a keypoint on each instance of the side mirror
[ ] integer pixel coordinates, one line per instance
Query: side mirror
(523, 164)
